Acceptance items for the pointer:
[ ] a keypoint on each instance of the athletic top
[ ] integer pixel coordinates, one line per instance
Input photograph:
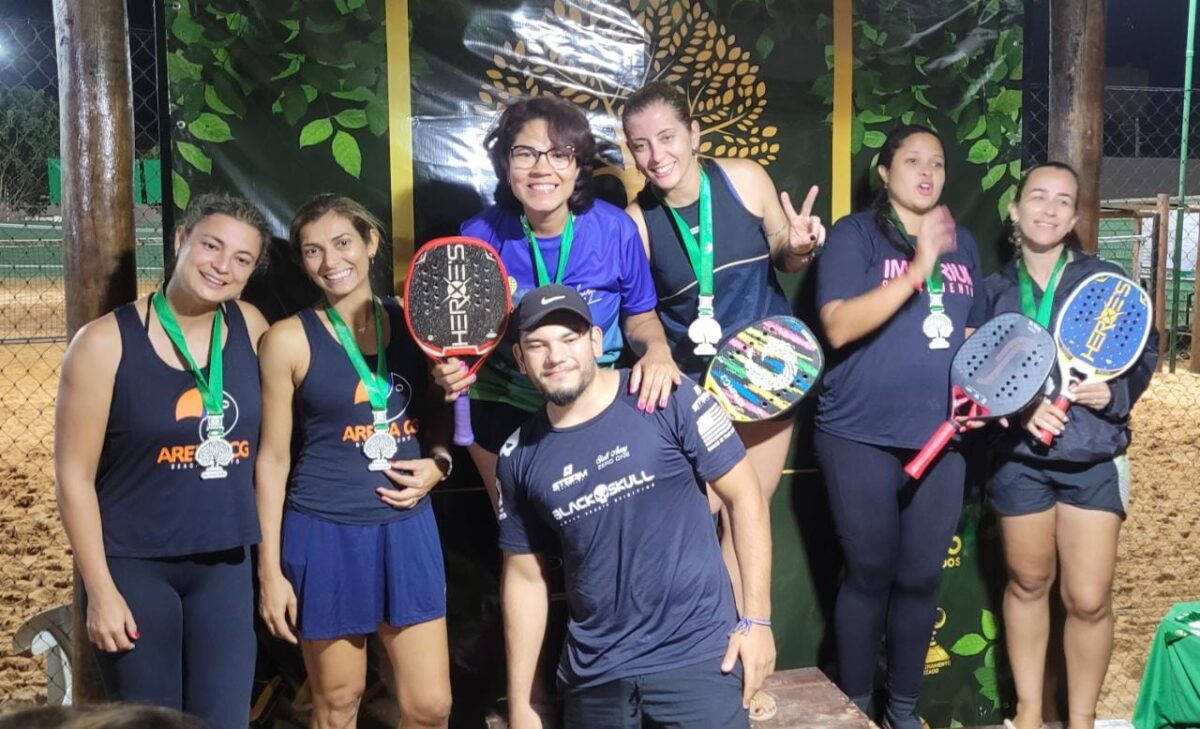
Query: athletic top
(607, 266)
(743, 277)
(153, 502)
(1090, 436)
(624, 494)
(889, 388)
(330, 478)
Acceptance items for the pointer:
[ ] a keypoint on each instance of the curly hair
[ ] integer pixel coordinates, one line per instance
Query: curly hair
(568, 129)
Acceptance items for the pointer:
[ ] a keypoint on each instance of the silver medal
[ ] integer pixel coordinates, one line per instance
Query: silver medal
(705, 331)
(938, 327)
(381, 445)
(215, 452)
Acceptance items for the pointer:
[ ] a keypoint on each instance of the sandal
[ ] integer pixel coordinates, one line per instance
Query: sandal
(762, 706)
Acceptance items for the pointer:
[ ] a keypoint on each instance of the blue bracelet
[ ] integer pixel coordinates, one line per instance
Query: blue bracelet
(743, 625)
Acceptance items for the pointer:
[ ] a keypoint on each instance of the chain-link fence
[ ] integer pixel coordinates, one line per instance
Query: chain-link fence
(35, 565)
(1139, 184)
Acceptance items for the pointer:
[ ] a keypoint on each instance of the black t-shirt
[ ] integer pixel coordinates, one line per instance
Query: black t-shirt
(889, 388)
(624, 494)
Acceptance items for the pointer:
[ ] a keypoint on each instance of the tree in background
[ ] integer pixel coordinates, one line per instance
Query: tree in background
(28, 137)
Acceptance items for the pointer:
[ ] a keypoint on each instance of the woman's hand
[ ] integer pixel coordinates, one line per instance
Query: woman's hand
(653, 376)
(1045, 417)
(805, 232)
(110, 624)
(1093, 395)
(452, 377)
(934, 239)
(414, 478)
(277, 605)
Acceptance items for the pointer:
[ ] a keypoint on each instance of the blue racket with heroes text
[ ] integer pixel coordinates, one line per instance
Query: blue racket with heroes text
(1100, 333)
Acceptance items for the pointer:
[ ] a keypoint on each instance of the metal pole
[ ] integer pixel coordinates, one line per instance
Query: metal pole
(1183, 162)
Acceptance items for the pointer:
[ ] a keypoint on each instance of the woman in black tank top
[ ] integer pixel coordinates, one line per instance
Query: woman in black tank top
(350, 546)
(756, 233)
(160, 542)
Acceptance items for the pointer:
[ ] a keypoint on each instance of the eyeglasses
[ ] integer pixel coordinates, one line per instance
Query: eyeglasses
(524, 158)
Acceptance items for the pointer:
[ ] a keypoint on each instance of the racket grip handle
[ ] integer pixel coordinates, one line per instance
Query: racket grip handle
(463, 434)
(1063, 404)
(916, 467)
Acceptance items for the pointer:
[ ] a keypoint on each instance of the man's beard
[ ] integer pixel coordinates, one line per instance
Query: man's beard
(566, 396)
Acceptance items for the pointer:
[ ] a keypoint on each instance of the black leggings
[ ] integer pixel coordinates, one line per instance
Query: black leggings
(894, 535)
(196, 652)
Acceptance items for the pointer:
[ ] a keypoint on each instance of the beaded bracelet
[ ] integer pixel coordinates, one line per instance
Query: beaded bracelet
(743, 626)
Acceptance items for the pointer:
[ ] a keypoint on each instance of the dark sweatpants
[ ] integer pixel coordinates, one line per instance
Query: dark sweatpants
(894, 534)
(196, 651)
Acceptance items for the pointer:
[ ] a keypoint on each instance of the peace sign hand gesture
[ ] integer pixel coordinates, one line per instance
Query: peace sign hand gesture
(805, 232)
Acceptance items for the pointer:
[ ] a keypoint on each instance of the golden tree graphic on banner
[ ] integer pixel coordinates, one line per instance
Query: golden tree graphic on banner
(596, 54)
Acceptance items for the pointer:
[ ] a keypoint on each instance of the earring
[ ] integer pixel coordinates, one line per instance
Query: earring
(1014, 235)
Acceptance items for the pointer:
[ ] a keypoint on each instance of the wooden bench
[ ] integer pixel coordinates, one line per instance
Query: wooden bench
(807, 698)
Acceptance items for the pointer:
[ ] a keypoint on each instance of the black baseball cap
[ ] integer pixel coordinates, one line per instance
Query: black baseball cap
(546, 300)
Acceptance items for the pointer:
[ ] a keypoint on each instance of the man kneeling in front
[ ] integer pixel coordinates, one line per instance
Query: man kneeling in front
(654, 634)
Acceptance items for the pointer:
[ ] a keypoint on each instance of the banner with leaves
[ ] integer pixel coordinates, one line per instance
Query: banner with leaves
(279, 101)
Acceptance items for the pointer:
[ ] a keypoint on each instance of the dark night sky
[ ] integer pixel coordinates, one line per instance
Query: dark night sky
(1142, 34)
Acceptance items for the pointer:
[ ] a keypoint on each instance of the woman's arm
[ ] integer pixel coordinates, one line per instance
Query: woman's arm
(85, 393)
(848, 320)
(283, 362)
(792, 237)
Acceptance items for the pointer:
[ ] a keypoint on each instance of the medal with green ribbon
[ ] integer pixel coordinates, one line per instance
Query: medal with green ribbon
(705, 331)
(937, 326)
(381, 445)
(1039, 311)
(214, 453)
(564, 250)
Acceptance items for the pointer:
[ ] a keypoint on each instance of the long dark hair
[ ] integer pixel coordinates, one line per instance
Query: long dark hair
(880, 204)
(568, 127)
(1071, 239)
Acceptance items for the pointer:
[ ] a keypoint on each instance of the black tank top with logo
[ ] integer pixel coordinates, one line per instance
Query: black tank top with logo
(744, 281)
(153, 501)
(330, 478)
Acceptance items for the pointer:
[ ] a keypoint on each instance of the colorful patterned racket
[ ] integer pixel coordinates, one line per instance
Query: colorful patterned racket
(765, 369)
(1100, 333)
(456, 302)
(996, 372)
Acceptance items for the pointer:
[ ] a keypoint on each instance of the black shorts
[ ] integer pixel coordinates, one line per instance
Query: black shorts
(1021, 487)
(494, 421)
(698, 696)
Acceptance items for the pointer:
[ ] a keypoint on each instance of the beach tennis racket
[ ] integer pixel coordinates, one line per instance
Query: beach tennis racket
(996, 372)
(1100, 333)
(765, 369)
(456, 302)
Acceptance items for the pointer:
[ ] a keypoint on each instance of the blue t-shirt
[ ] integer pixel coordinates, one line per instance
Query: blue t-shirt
(607, 265)
(889, 388)
(624, 494)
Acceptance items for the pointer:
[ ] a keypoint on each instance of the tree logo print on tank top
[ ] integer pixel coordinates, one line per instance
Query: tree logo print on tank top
(186, 456)
(399, 397)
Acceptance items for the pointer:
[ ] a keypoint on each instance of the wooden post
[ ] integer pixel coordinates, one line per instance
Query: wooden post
(1160, 275)
(96, 128)
(1077, 103)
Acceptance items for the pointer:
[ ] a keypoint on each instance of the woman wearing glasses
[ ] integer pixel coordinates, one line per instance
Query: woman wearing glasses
(549, 228)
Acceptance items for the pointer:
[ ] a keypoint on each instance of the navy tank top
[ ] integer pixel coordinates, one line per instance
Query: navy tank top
(744, 281)
(330, 478)
(153, 503)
